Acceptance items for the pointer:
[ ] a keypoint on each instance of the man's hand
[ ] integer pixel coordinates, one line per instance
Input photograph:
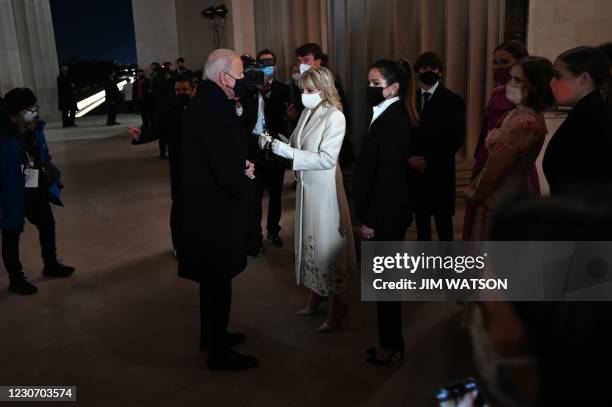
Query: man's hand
(417, 163)
(292, 112)
(249, 169)
(134, 133)
(367, 233)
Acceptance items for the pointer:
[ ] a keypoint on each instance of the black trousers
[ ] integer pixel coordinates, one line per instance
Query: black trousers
(38, 212)
(176, 213)
(111, 117)
(68, 117)
(390, 312)
(163, 145)
(444, 226)
(215, 305)
(254, 238)
(146, 114)
(270, 177)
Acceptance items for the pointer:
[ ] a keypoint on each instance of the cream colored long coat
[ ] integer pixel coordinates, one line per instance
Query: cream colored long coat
(324, 248)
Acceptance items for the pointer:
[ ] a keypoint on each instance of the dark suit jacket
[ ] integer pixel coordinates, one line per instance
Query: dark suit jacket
(275, 113)
(579, 153)
(66, 97)
(440, 134)
(113, 94)
(380, 192)
(214, 188)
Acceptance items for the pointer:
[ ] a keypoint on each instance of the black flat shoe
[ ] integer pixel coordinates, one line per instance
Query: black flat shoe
(22, 287)
(58, 270)
(233, 339)
(232, 361)
(374, 360)
(275, 240)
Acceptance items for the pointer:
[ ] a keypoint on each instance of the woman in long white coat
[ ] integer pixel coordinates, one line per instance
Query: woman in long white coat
(324, 248)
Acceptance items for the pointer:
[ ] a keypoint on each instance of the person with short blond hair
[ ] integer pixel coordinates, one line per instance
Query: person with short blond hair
(324, 248)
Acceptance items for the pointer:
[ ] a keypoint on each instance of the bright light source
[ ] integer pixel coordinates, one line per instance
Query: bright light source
(90, 103)
(91, 107)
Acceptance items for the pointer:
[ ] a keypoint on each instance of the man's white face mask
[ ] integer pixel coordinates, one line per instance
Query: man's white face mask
(304, 68)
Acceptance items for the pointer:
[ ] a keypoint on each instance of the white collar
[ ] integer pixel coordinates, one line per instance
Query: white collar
(432, 89)
(382, 106)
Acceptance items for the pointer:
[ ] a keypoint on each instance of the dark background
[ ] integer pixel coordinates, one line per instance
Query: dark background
(100, 30)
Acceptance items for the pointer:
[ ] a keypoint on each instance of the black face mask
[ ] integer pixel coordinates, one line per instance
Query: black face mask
(183, 99)
(241, 88)
(428, 78)
(375, 95)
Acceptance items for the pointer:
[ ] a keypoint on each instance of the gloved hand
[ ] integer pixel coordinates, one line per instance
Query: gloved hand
(264, 139)
(282, 150)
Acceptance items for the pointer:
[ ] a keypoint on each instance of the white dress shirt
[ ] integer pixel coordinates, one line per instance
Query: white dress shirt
(260, 125)
(381, 107)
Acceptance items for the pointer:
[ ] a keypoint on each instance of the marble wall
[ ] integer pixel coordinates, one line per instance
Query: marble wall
(558, 25)
(27, 49)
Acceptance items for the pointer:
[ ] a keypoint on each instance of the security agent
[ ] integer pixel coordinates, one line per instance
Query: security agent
(170, 126)
(28, 182)
(265, 111)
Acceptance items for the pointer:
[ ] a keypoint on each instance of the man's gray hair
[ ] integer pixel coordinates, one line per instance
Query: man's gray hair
(220, 60)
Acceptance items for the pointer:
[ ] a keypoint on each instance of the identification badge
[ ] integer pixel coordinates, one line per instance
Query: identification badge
(31, 178)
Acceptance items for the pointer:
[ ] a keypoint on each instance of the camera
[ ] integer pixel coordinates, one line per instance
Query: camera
(254, 70)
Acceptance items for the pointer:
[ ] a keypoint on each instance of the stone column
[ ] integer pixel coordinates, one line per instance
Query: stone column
(156, 31)
(27, 46)
(241, 26)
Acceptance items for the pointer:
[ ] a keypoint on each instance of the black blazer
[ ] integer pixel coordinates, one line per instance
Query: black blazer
(275, 113)
(113, 94)
(440, 134)
(66, 97)
(580, 152)
(380, 193)
(213, 188)
(275, 110)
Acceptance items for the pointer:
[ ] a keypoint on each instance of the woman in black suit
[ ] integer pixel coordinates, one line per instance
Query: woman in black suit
(579, 153)
(379, 190)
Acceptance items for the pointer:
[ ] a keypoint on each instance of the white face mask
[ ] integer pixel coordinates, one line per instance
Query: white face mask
(492, 367)
(311, 100)
(29, 116)
(239, 110)
(515, 95)
(296, 77)
(304, 68)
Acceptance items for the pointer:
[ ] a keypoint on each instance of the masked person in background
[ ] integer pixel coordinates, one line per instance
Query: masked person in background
(436, 140)
(514, 145)
(264, 111)
(171, 127)
(505, 56)
(324, 248)
(28, 182)
(578, 154)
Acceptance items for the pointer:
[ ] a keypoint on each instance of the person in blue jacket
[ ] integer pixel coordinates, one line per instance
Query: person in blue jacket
(28, 183)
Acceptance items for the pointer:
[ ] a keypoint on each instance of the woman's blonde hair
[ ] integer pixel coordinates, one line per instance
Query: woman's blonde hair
(322, 79)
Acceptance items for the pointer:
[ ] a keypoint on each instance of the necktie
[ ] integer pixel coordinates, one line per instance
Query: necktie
(426, 96)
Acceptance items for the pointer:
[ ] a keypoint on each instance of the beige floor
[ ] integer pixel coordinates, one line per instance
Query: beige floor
(124, 328)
